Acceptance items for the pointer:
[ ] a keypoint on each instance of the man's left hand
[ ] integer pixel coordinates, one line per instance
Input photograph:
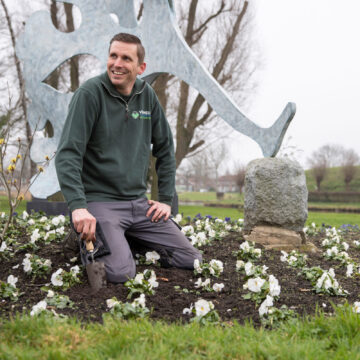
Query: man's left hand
(159, 210)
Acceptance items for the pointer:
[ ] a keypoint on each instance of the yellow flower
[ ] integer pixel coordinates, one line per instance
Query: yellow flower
(47, 158)
(11, 168)
(41, 169)
(13, 160)
(21, 197)
(18, 156)
(1, 141)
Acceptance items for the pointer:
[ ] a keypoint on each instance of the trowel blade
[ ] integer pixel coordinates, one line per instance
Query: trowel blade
(96, 275)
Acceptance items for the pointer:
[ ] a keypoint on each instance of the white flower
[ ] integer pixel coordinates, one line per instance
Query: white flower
(255, 284)
(274, 287)
(50, 294)
(198, 283)
(55, 221)
(61, 218)
(187, 311)
(56, 278)
(25, 215)
(60, 230)
(75, 269)
(356, 307)
(48, 234)
(249, 268)
(188, 230)
(178, 218)
(292, 259)
(140, 301)
(43, 219)
(284, 256)
(152, 256)
(349, 270)
(212, 233)
(218, 287)
(197, 266)
(245, 246)
(325, 242)
(38, 308)
(264, 307)
(257, 252)
(2, 214)
(12, 280)
(47, 263)
(35, 235)
(153, 283)
(139, 278)
(239, 264)
(3, 246)
(27, 264)
(202, 307)
(356, 242)
(217, 265)
(31, 222)
(345, 245)
(110, 303)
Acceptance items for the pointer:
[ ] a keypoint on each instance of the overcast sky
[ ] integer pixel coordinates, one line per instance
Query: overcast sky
(311, 53)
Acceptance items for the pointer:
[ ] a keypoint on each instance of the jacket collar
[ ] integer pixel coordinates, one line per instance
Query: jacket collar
(138, 86)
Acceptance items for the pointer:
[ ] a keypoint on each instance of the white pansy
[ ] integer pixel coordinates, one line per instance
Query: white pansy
(110, 303)
(274, 287)
(62, 218)
(3, 246)
(56, 278)
(139, 278)
(140, 301)
(152, 256)
(2, 215)
(187, 311)
(356, 243)
(249, 268)
(197, 266)
(212, 233)
(38, 308)
(349, 270)
(345, 246)
(198, 283)
(56, 221)
(47, 262)
(292, 259)
(12, 280)
(50, 294)
(356, 307)
(284, 256)
(264, 307)
(25, 215)
(202, 307)
(218, 287)
(245, 246)
(239, 264)
(61, 230)
(217, 265)
(257, 252)
(34, 236)
(43, 219)
(188, 230)
(31, 222)
(325, 242)
(178, 218)
(255, 284)
(75, 269)
(48, 234)
(27, 263)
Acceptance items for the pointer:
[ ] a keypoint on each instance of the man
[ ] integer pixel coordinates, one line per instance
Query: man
(103, 159)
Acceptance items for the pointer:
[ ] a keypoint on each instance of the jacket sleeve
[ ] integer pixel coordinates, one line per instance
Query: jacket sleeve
(163, 150)
(82, 114)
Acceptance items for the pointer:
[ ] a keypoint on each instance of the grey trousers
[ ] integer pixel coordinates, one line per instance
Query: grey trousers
(164, 236)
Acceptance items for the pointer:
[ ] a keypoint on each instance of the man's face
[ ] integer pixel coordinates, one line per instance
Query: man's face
(123, 66)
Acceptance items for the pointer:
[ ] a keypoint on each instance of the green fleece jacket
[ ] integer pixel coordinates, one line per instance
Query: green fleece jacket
(103, 153)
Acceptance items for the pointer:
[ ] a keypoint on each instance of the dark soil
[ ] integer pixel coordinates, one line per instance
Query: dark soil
(168, 303)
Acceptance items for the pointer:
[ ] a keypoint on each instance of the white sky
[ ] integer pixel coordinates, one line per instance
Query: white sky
(311, 50)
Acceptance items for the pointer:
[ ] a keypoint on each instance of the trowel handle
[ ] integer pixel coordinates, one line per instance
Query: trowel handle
(89, 245)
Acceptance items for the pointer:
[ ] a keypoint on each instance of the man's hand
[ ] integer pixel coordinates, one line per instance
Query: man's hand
(159, 210)
(84, 223)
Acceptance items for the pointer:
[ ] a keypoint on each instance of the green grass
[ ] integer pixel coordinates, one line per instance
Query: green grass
(333, 219)
(210, 197)
(4, 206)
(312, 338)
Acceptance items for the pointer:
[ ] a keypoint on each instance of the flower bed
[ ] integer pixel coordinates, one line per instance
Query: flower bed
(237, 280)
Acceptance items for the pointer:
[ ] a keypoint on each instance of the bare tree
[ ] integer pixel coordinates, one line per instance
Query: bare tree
(222, 30)
(348, 166)
(216, 155)
(240, 171)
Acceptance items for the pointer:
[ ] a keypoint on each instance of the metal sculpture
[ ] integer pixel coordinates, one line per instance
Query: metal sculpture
(43, 48)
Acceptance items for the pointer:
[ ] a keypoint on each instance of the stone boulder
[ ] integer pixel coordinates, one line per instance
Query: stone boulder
(275, 195)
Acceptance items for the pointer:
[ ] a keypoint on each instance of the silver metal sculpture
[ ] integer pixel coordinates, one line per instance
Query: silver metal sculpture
(42, 48)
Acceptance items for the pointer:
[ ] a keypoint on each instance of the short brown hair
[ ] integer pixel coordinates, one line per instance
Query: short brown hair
(130, 39)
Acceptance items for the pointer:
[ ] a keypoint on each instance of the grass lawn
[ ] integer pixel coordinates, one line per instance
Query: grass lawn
(312, 338)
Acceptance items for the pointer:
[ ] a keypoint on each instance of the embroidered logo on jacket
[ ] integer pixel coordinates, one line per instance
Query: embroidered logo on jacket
(144, 115)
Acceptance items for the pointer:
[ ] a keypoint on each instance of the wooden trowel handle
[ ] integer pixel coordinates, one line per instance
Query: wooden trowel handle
(89, 245)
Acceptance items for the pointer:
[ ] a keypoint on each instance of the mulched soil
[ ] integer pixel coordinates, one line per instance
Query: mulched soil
(168, 303)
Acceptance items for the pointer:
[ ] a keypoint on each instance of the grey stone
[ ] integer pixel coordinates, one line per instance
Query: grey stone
(275, 194)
